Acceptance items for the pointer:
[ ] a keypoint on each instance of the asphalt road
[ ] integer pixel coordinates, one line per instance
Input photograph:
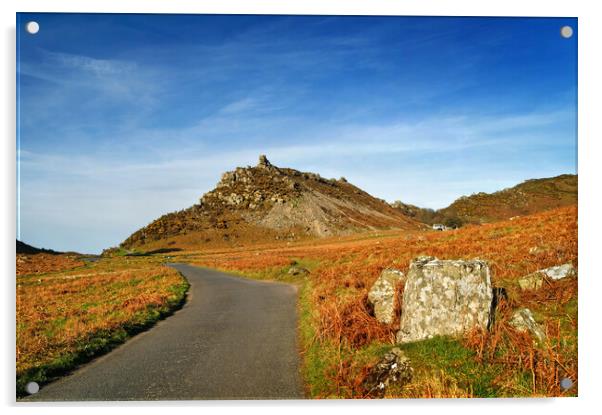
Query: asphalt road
(233, 339)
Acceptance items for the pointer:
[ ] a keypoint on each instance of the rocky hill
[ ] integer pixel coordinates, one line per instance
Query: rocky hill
(529, 197)
(266, 202)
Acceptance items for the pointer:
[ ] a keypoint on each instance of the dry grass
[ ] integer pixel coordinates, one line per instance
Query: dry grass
(42, 263)
(66, 317)
(345, 269)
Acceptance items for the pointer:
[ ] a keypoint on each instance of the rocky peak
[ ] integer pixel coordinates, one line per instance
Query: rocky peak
(275, 201)
(253, 188)
(263, 161)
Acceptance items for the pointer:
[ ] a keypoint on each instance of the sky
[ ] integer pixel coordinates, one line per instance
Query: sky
(123, 118)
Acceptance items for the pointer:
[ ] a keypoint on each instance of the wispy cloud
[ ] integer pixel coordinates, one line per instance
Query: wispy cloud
(239, 106)
(423, 151)
(91, 83)
(98, 67)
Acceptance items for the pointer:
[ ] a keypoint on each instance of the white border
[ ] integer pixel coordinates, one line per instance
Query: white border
(590, 230)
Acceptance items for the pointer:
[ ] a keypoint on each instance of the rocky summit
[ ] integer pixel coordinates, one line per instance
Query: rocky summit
(267, 202)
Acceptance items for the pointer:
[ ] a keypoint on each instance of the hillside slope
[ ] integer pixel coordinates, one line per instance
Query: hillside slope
(529, 197)
(266, 202)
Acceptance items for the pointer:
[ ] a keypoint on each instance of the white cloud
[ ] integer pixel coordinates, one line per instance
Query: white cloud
(97, 67)
(241, 105)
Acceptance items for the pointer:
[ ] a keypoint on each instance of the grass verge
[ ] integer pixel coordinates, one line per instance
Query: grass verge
(65, 319)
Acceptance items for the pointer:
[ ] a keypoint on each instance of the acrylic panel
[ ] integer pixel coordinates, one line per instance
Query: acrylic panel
(295, 207)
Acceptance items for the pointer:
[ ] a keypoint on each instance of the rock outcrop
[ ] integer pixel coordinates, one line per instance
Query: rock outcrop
(382, 295)
(445, 297)
(263, 161)
(393, 369)
(523, 321)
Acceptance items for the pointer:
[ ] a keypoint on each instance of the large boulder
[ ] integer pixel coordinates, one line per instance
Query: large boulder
(445, 297)
(393, 369)
(382, 295)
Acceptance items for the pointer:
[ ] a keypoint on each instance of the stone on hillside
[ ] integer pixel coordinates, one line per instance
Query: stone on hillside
(445, 297)
(559, 272)
(535, 280)
(295, 271)
(394, 368)
(532, 281)
(536, 250)
(382, 295)
(523, 321)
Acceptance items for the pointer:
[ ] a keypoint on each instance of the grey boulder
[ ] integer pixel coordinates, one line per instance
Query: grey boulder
(445, 297)
(382, 295)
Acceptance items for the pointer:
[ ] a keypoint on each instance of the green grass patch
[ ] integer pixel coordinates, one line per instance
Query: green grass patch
(318, 356)
(450, 356)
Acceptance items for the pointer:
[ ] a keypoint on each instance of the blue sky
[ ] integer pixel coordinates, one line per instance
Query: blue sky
(123, 118)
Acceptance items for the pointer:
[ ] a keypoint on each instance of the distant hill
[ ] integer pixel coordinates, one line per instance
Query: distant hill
(23, 248)
(529, 197)
(423, 215)
(266, 202)
(32, 260)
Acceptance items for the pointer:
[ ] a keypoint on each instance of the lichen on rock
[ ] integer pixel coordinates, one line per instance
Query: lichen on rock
(445, 297)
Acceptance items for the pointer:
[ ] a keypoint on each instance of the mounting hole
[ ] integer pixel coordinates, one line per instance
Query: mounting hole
(32, 387)
(566, 32)
(32, 27)
(566, 383)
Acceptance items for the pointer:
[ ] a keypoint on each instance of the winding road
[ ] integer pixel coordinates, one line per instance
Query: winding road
(233, 339)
